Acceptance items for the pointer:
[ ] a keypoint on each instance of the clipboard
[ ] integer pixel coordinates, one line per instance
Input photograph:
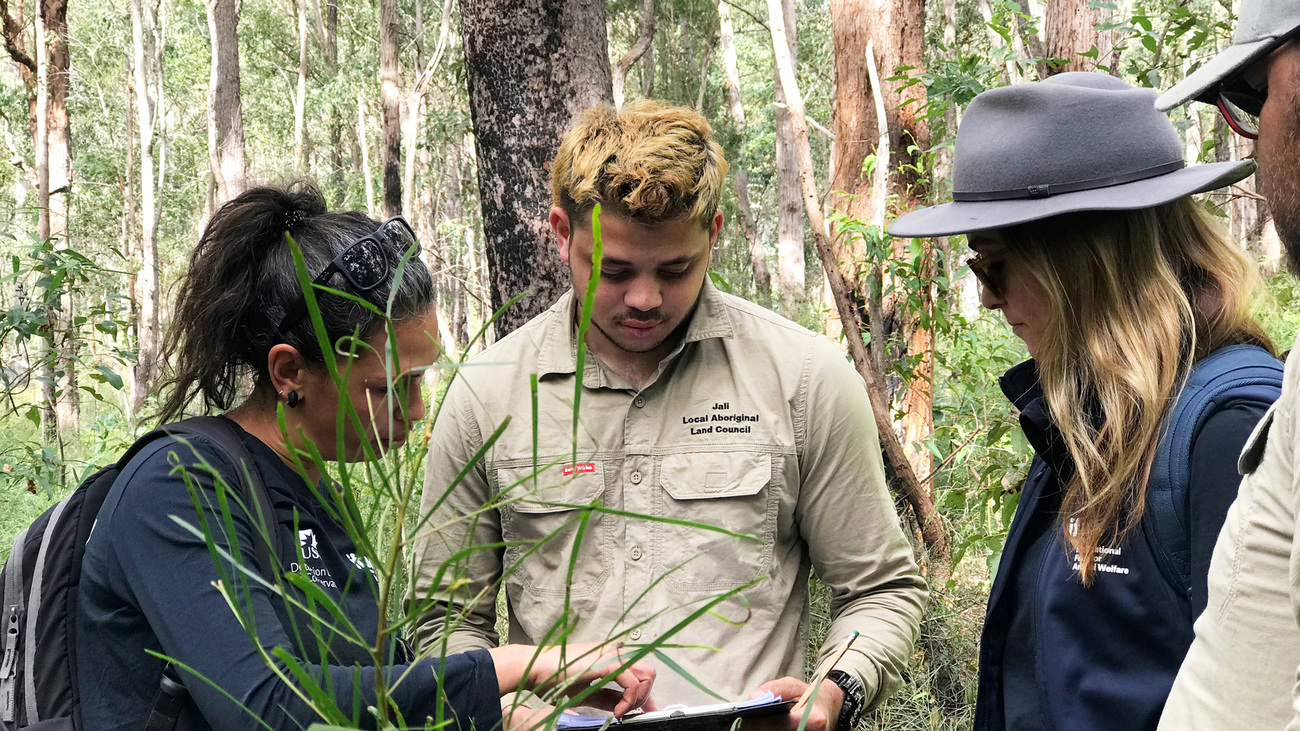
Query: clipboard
(713, 717)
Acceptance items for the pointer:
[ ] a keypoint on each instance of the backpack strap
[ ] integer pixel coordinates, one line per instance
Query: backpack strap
(13, 618)
(225, 435)
(1235, 372)
(33, 612)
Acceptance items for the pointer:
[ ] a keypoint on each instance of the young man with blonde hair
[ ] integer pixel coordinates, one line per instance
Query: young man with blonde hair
(698, 409)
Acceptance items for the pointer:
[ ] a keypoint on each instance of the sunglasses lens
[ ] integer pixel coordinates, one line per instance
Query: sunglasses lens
(1242, 111)
(398, 235)
(988, 272)
(364, 264)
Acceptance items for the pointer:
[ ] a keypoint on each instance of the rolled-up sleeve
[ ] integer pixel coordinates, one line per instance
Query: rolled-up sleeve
(847, 517)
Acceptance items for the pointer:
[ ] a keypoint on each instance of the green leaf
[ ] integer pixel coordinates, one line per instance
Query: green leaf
(106, 375)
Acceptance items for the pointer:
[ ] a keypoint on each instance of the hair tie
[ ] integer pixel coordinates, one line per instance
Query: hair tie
(293, 219)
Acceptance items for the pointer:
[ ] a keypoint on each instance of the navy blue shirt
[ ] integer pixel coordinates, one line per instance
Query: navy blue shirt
(147, 585)
(1058, 655)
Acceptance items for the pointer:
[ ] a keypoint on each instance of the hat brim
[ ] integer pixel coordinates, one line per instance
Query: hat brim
(961, 217)
(1203, 82)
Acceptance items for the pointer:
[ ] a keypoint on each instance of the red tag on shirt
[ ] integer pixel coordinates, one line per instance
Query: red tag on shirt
(570, 469)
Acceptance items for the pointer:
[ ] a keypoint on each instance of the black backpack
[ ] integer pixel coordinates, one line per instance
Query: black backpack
(38, 672)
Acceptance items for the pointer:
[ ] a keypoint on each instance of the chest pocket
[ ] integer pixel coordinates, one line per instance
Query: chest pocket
(731, 504)
(544, 525)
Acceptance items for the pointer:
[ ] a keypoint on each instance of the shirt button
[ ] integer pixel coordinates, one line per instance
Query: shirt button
(635, 634)
(636, 553)
(639, 401)
(636, 478)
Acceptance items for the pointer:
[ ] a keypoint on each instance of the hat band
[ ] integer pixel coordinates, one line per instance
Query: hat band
(1043, 191)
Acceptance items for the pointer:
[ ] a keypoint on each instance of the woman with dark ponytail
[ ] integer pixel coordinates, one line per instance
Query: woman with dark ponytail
(242, 343)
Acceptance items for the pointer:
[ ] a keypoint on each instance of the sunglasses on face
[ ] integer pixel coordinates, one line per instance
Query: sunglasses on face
(364, 264)
(990, 269)
(1240, 107)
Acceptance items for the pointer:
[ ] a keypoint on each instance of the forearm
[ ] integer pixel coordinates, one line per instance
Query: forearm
(886, 621)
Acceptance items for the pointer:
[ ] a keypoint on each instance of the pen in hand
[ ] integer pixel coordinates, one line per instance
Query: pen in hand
(821, 676)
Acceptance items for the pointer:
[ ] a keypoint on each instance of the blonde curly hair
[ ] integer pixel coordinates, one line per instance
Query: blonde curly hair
(651, 163)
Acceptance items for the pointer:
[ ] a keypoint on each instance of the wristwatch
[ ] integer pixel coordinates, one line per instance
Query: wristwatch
(854, 695)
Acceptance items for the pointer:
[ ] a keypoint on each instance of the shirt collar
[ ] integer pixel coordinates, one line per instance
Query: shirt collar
(558, 353)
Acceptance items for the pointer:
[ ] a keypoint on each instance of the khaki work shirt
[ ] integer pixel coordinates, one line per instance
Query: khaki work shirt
(1242, 670)
(753, 424)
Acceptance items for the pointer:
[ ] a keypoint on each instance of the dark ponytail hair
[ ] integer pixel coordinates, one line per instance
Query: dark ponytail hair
(241, 281)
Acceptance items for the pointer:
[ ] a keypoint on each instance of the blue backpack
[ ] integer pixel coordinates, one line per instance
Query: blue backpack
(1234, 373)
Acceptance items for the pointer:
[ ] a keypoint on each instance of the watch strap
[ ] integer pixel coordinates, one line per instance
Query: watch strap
(854, 699)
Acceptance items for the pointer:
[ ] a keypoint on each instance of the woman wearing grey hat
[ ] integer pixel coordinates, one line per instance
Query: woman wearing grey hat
(1148, 374)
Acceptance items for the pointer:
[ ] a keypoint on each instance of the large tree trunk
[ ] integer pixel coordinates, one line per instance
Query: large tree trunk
(390, 97)
(144, 38)
(225, 108)
(790, 263)
(1071, 31)
(895, 459)
(644, 38)
(891, 31)
(531, 66)
(740, 178)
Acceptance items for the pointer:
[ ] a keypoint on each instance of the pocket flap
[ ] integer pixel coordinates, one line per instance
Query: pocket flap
(553, 491)
(706, 475)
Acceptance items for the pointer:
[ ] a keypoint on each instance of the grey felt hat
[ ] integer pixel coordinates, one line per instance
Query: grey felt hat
(1262, 26)
(1073, 142)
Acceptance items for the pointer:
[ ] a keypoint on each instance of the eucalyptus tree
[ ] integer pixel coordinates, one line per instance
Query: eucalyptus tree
(530, 66)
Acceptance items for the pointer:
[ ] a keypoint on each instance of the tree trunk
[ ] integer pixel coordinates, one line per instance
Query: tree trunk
(648, 72)
(790, 263)
(645, 37)
(143, 40)
(531, 66)
(740, 178)
(1071, 31)
(50, 346)
(893, 32)
(300, 97)
(15, 28)
(363, 141)
(225, 108)
(415, 110)
(390, 96)
(331, 43)
(896, 461)
(54, 21)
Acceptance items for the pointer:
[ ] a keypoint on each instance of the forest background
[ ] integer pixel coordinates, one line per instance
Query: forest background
(836, 116)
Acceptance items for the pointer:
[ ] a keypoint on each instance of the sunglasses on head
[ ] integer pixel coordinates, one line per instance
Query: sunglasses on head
(990, 269)
(364, 264)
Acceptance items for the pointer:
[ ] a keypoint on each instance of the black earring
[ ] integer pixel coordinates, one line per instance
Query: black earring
(291, 400)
